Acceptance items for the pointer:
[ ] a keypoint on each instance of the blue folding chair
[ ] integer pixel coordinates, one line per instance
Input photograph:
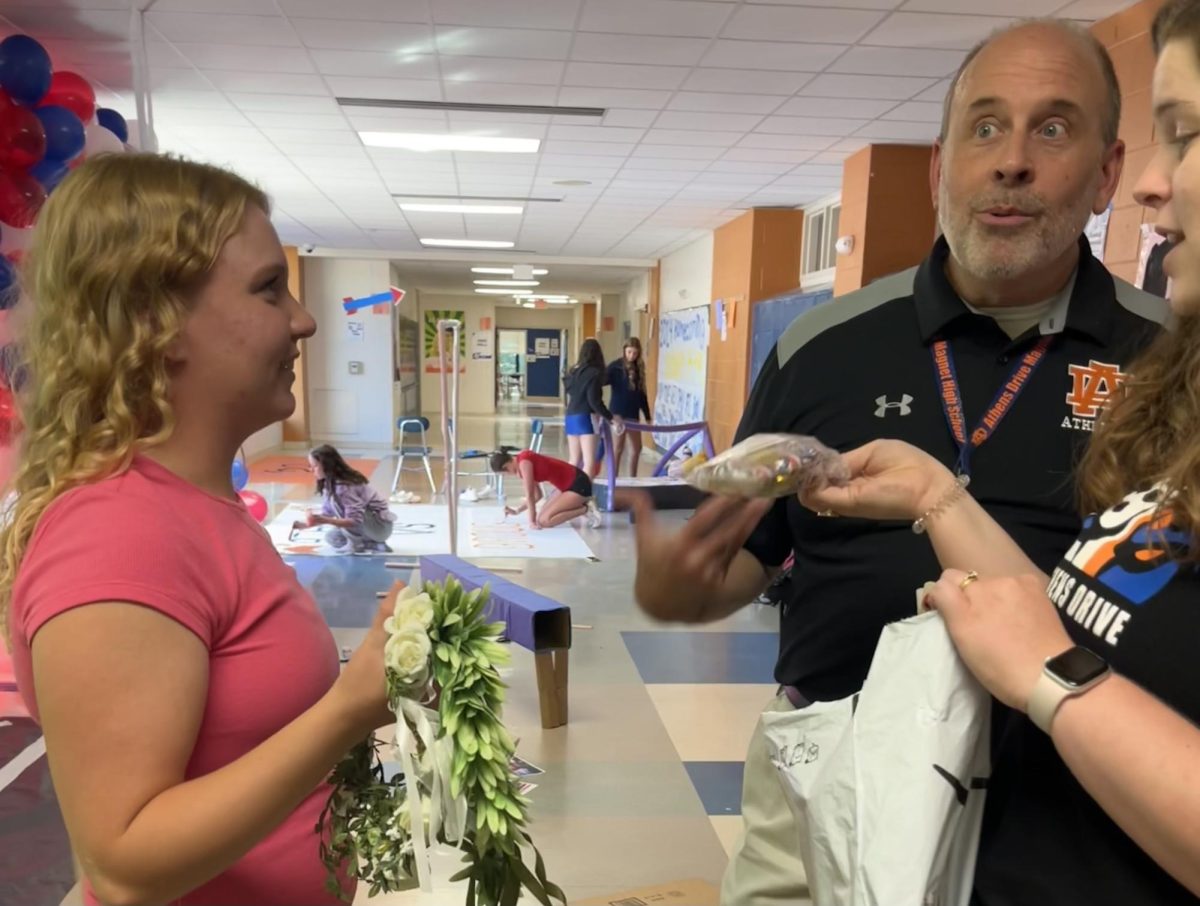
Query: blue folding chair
(414, 428)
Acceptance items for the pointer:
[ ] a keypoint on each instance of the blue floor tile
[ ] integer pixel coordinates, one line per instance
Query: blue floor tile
(719, 785)
(703, 657)
(345, 587)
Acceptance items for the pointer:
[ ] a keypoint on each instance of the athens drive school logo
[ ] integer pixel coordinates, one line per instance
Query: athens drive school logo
(1092, 386)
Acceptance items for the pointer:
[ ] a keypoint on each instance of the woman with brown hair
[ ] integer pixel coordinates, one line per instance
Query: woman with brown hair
(1095, 795)
(627, 378)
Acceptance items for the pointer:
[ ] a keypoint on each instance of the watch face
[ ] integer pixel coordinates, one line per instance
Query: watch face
(1077, 666)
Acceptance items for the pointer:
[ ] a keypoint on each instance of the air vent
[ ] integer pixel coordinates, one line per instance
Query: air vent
(540, 109)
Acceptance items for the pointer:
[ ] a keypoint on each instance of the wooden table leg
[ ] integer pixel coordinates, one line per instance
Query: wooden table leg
(552, 673)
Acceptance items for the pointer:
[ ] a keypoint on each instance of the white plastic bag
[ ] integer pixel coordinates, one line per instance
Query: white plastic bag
(888, 785)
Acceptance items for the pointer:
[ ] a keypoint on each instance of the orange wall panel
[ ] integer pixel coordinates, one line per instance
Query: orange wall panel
(589, 320)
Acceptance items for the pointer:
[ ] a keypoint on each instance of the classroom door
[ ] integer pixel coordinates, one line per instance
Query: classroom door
(543, 364)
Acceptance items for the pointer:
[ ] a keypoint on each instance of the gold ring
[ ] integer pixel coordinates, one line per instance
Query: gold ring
(968, 579)
(826, 513)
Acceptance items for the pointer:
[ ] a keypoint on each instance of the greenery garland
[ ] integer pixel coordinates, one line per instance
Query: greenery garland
(438, 639)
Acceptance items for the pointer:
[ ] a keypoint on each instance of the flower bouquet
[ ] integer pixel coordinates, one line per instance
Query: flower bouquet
(455, 785)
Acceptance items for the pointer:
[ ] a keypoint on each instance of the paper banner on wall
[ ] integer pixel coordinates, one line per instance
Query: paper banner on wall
(722, 328)
(434, 365)
(481, 345)
(553, 346)
(682, 369)
(1097, 232)
(356, 331)
(485, 323)
(1153, 249)
(610, 324)
(541, 346)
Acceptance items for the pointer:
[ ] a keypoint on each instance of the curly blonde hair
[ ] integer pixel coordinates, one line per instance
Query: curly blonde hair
(118, 251)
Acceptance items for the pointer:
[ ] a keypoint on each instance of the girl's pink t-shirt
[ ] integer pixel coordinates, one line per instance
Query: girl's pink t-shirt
(150, 538)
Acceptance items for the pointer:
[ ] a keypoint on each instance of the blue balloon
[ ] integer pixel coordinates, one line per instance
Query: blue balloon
(113, 122)
(64, 132)
(24, 69)
(241, 477)
(8, 284)
(49, 173)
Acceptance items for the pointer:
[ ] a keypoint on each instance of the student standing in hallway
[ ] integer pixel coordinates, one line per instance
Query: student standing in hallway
(583, 384)
(627, 378)
(1010, 294)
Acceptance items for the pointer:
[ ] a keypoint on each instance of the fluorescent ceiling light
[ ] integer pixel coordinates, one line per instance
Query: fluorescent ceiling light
(530, 297)
(537, 271)
(423, 141)
(528, 305)
(468, 243)
(507, 283)
(493, 290)
(463, 208)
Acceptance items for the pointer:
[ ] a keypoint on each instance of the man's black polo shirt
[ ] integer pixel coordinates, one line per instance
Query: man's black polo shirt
(861, 368)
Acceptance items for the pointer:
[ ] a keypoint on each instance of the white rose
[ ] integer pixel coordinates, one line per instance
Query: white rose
(407, 654)
(418, 609)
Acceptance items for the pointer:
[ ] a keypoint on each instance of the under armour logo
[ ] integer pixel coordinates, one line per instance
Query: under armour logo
(884, 405)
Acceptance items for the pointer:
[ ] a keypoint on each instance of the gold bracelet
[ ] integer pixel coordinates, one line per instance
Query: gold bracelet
(961, 483)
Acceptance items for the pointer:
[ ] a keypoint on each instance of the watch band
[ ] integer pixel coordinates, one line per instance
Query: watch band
(1048, 694)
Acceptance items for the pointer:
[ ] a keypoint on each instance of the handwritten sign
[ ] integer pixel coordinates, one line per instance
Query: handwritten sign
(682, 370)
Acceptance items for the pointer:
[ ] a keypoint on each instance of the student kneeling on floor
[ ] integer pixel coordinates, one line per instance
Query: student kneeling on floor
(575, 488)
(357, 514)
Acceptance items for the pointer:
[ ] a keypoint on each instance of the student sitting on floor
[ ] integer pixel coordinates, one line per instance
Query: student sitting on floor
(575, 488)
(358, 515)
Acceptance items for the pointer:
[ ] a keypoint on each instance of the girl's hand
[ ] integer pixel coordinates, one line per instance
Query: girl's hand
(311, 518)
(362, 686)
(889, 479)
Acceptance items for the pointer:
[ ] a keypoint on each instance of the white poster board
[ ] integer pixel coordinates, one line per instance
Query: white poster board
(682, 371)
(482, 345)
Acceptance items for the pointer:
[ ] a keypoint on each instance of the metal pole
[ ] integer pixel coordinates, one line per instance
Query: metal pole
(450, 416)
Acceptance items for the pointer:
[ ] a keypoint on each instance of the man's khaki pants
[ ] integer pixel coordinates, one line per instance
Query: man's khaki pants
(765, 868)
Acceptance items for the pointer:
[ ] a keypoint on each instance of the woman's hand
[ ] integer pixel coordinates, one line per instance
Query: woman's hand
(1004, 630)
(889, 479)
(311, 518)
(362, 686)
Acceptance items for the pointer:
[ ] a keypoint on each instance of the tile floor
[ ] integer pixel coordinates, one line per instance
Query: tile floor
(643, 784)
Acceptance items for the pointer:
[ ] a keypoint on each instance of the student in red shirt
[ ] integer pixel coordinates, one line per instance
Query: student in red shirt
(575, 488)
(187, 686)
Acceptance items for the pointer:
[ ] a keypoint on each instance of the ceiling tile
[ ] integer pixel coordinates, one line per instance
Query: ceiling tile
(503, 42)
(623, 75)
(266, 31)
(286, 138)
(682, 152)
(719, 122)
(749, 81)
(935, 93)
(934, 30)
(837, 4)
(898, 61)
(810, 125)
(46, 23)
(639, 163)
(248, 58)
(551, 14)
(246, 7)
(605, 48)
(917, 112)
(316, 121)
(982, 7)
(369, 10)
(772, 55)
(510, 71)
(1092, 9)
(284, 103)
(595, 133)
(777, 155)
(184, 98)
(898, 131)
(685, 18)
(864, 86)
(690, 137)
(721, 102)
(786, 142)
(613, 97)
(635, 118)
(831, 26)
(492, 93)
(596, 149)
(842, 107)
(399, 89)
(374, 64)
(343, 34)
(266, 82)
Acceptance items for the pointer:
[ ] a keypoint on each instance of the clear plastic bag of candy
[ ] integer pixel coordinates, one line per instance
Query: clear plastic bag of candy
(770, 465)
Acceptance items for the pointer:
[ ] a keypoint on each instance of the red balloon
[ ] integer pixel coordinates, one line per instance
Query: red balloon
(21, 197)
(73, 92)
(255, 503)
(22, 137)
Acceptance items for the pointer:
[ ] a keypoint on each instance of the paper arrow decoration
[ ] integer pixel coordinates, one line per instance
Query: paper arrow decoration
(392, 295)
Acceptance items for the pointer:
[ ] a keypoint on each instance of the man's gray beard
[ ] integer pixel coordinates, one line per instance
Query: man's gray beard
(1046, 244)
